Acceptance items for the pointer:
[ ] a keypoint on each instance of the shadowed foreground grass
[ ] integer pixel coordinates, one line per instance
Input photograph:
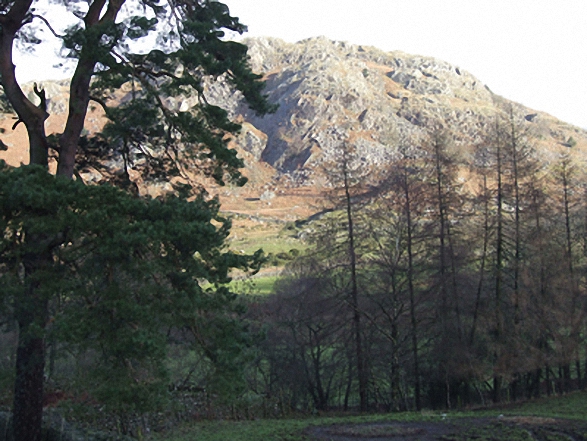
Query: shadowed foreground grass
(572, 406)
(277, 430)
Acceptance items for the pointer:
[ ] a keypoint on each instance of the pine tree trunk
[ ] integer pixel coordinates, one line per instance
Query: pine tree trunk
(31, 313)
(30, 308)
(28, 386)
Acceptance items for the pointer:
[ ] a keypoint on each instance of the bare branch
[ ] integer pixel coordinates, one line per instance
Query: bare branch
(40, 17)
(100, 101)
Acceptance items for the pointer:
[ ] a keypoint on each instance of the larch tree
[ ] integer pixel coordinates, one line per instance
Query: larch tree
(448, 206)
(186, 50)
(499, 260)
(406, 179)
(566, 176)
(347, 176)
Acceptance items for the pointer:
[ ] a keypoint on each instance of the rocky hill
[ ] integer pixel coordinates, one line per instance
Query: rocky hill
(328, 91)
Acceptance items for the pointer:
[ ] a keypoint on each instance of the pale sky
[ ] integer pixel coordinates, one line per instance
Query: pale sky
(530, 51)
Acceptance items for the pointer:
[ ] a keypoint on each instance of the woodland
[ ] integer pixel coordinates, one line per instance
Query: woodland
(431, 290)
(451, 277)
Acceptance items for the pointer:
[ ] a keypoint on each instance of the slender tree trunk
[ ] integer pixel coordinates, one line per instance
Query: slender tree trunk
(517, 239)
(447, 265)
(497, 383)
(566, 175)
(361, 368)
(566, 377)
(537, 378)
(445, 339)
(320, 396)
(483, 260)
(349, 383)
(566, 207)
(395, 363)
(411, 289)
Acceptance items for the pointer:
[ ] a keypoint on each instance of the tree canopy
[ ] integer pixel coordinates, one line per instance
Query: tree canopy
(108, 39)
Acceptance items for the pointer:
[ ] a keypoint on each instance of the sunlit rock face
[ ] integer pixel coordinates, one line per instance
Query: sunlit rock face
(331, 91)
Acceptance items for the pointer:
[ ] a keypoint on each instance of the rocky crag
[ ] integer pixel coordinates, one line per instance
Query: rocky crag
(328, 91)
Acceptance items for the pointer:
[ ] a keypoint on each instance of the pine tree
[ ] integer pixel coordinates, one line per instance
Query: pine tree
(190, 51)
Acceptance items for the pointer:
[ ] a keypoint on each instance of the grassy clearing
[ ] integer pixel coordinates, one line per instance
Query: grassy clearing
(266, 430)
(254, 286)
(264, 285)
(257, 286)
(273, 238)
(279, 242)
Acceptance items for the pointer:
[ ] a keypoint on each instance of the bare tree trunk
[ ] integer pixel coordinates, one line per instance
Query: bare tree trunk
(361, 368)
(497, 383)
(566, 175)
(349, 383)
(411, 289)
(447, 265)
(517, 239)
(483, 260)
(395, 363)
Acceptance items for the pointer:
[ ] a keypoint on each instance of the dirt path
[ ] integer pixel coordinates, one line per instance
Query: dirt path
(465, 429)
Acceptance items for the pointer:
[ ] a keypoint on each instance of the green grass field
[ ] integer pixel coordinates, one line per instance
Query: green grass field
(572, 406)
(273, 430)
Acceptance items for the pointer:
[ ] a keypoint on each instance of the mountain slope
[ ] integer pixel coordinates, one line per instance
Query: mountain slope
(328, 91)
